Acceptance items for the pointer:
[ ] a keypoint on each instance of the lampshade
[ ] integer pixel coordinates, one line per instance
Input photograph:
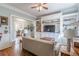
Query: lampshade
(69, 33)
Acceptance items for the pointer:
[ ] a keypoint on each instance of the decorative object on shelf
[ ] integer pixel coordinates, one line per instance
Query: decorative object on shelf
(27, 27)
(39, 6)
(6, 27)
(38, 26)
(32, 30)
(5, 31)
(69, 34)
(30, 27)
(4, 20)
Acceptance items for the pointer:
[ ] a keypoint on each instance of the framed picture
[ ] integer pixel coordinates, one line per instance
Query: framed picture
(4, 20)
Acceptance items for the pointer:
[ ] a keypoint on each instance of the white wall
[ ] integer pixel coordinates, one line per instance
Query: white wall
(4, 11)
(51, 17)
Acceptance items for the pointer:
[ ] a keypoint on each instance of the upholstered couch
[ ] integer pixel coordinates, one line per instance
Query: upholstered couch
(38, 47)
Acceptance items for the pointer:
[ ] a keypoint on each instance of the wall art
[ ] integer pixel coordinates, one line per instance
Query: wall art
(3, 20)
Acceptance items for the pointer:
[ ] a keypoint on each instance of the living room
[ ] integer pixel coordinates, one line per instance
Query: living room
(42, 29)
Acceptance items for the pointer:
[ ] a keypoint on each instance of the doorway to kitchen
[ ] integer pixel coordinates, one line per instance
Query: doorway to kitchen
(21, 27)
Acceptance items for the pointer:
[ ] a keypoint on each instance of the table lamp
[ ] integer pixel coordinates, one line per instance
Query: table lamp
(69, 34)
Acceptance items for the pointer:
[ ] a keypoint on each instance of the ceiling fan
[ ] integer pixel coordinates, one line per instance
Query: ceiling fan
(39, 6)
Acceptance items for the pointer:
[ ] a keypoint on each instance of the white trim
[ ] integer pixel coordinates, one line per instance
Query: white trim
(11, 25)
(17, 10)
(71, 14)
(21, 17)
(61, 23)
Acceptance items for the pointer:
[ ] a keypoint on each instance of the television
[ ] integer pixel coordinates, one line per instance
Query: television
(49, 28)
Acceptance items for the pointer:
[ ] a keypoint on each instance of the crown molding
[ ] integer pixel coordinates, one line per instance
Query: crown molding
(51, 13)
(17, 10)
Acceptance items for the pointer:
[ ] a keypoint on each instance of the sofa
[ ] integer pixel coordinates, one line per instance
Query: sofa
(38, 47)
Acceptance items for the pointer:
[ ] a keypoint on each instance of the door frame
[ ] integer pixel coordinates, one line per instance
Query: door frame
(12, 27)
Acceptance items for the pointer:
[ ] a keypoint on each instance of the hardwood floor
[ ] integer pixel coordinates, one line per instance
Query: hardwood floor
(15, 50)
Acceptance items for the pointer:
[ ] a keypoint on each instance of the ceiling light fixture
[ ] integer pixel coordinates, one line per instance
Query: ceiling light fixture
(39, 6)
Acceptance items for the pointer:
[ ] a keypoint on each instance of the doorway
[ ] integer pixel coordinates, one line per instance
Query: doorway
(20, 27)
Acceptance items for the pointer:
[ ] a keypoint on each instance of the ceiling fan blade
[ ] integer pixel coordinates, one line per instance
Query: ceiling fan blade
(45, 7)
(33, 6)
(44, 3)
(40, 6)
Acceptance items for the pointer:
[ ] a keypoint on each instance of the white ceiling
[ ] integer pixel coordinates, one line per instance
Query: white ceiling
(52, 7)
